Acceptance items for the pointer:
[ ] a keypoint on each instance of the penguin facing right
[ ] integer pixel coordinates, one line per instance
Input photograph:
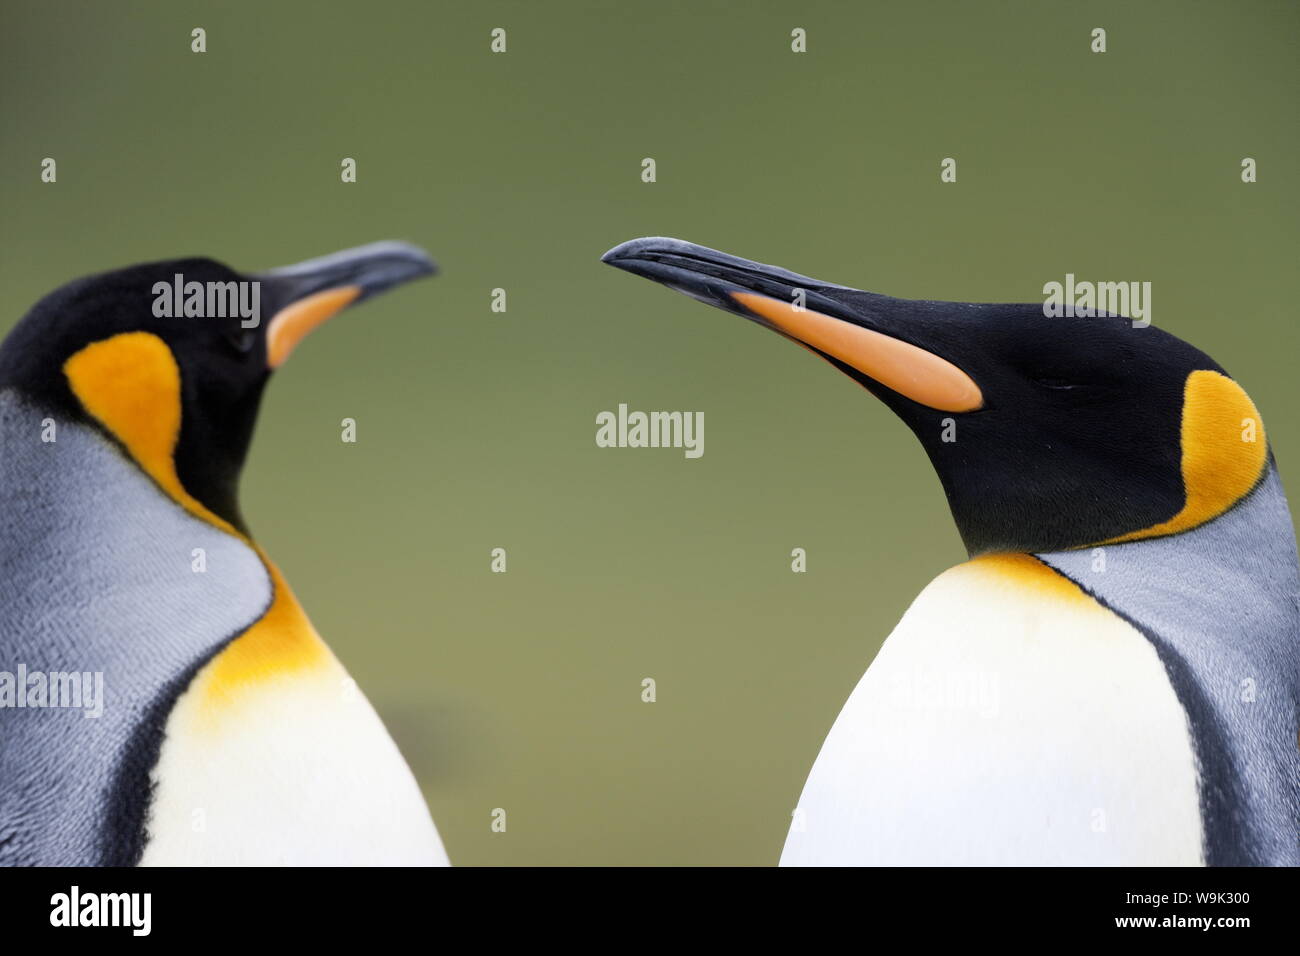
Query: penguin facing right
(223, 731)
(1113, 678)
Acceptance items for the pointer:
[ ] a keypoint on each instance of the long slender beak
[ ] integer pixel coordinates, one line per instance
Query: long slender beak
(713, 277)
(805, 310)
(308, 293)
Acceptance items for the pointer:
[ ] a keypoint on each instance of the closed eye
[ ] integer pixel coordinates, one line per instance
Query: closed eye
(1060, 384)
(242, 340)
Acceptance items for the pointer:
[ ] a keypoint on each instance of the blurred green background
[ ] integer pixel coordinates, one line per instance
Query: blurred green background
(476, 430)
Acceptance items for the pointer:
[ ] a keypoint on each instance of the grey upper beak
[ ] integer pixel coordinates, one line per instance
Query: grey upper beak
(711, 276)
(373, 268)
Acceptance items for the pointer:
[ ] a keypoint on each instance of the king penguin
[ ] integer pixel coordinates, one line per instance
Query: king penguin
(228, 733)
(1129, 610)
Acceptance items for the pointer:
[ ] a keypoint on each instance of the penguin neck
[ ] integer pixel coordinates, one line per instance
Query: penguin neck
(37, 443)
(1255, 535)
(1245, 557)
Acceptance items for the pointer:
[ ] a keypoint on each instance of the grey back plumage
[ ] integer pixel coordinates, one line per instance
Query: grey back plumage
(96, 576)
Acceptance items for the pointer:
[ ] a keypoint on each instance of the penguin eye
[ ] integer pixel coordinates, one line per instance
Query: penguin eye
(1057, 384)
(242, 340)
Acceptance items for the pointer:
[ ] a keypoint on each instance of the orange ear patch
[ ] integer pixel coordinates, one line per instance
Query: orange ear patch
(913, 372)
(1224, 452)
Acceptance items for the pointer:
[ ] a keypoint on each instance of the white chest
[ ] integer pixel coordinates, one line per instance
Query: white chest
(301, 772)
(1009, 719)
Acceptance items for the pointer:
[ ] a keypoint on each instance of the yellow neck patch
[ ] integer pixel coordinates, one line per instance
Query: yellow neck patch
(1025, 572)
(1224, 452)
(283, 643)
(131, 385)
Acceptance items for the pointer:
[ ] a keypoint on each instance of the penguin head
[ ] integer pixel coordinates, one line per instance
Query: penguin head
(171, 358)
(1046, 433)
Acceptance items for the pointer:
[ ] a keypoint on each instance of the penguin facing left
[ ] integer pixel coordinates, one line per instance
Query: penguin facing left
(227, 732)
(1114, 676)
